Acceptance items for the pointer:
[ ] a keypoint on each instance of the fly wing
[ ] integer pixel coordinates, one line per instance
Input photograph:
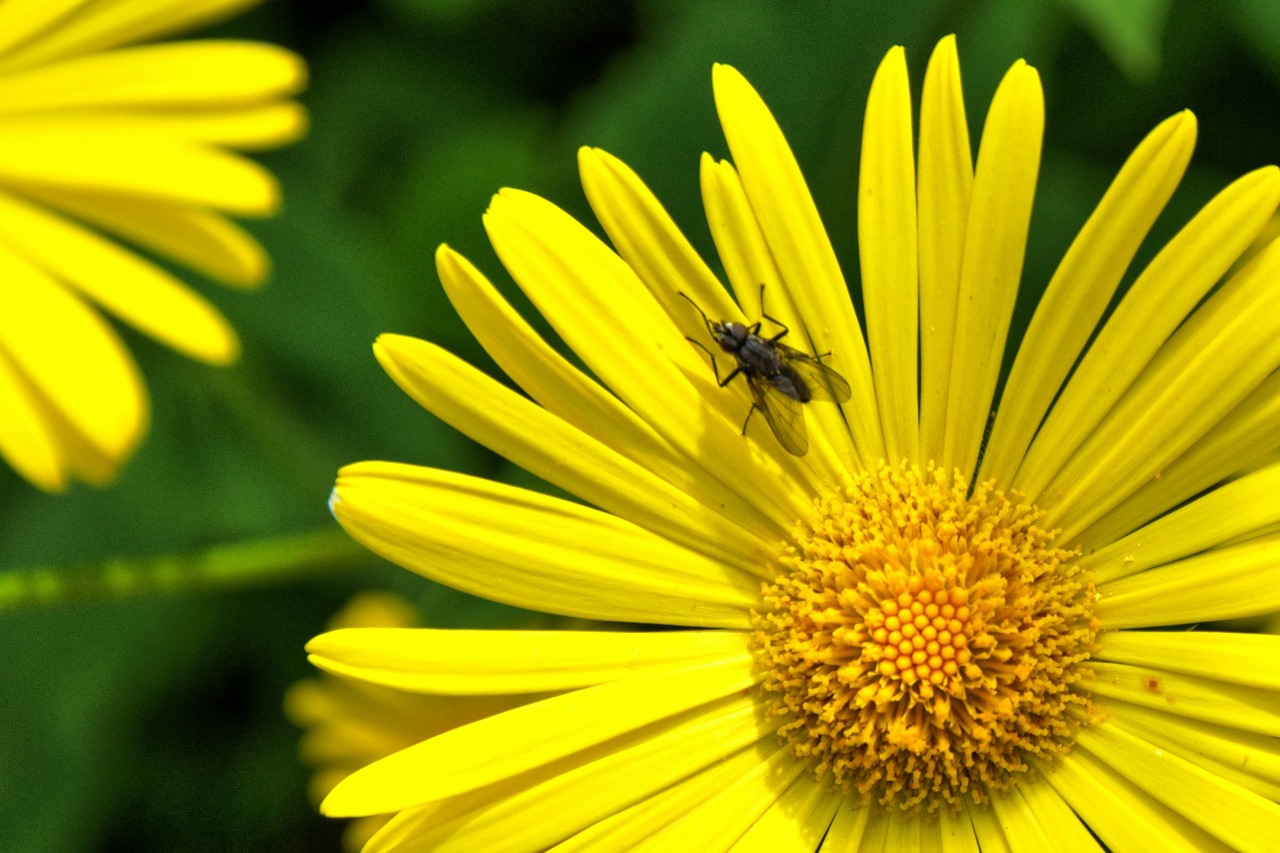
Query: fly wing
(784, 415)
(823, 382)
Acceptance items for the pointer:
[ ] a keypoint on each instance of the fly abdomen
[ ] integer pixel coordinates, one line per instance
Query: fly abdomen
(793, 386)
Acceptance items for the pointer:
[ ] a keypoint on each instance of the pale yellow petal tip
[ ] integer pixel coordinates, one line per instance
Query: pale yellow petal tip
(446, 255)
(219, 346)
(897, 54)
(300, 74)
(354, 797)
(45, 474)
(727, 77)
(338, 803)
(389, 347)
(501, 202)
(596, 163)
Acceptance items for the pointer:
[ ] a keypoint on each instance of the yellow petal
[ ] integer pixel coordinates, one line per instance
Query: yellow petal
(1122, 814)
(741, 246)
(628, 828)
(541, 553)
(1056, 818)
(1235, 816)
(73, 357)
(588, 294)
(1021, 829)
(249, 127)
(565, 391)
(753, 273)
(1166, 291)
(1239, 508)
(508, 662)
(1212, 363)
(546, 446)
(104, 25)
(1082, 287)
(20, 20)
(124, 162)
(25, 441)
(906, 834)
(887, 251)
(1249, 760)
(1249, 709)
(643, 233)
(1039, 820)
(1225, 583)
(1248, 659)
(1245, 438)
(627, 772)
(203, 73)
(140, 293)
(524, 738)
(719, 821)
(987, 830)
(789, 220)
(208, 242)
(796, 822)
(945, 185)
(956, 833)
(651, 244)
(846, 830)
(995, 243)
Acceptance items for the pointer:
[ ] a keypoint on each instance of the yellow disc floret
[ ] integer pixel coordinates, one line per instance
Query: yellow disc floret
(924, 643)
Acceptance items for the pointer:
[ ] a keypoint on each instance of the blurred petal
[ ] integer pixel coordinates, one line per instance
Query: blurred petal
(152, 165)
(203, 73)
(103, 25)
(72, 357)
(207, 242)
(138, 292)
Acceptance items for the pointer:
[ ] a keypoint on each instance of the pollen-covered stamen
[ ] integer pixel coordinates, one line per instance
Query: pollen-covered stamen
(924, 643)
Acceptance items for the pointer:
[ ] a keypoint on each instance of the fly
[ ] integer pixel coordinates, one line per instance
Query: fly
(781, 378)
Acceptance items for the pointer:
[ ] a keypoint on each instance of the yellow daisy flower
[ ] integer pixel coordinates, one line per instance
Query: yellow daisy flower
(103, 140)
(931, 630)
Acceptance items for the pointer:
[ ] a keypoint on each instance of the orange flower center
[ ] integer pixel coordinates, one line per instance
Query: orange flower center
(926, 645)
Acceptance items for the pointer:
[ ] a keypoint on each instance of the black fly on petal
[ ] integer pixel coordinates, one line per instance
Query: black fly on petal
(781, 378)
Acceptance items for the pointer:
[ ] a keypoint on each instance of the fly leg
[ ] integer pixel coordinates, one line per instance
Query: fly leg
(714, 366)
(774, 320)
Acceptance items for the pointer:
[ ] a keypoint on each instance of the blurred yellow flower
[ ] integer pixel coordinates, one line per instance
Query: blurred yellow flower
(105, 142)
(350, 723)
(948, 625)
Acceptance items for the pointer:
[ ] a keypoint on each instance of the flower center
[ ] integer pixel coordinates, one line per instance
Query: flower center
(924, 643)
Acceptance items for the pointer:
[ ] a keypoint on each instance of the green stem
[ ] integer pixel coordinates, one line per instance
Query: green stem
(241, 564)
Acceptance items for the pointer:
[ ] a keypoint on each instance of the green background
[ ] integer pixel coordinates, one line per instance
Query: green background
(154, 722)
